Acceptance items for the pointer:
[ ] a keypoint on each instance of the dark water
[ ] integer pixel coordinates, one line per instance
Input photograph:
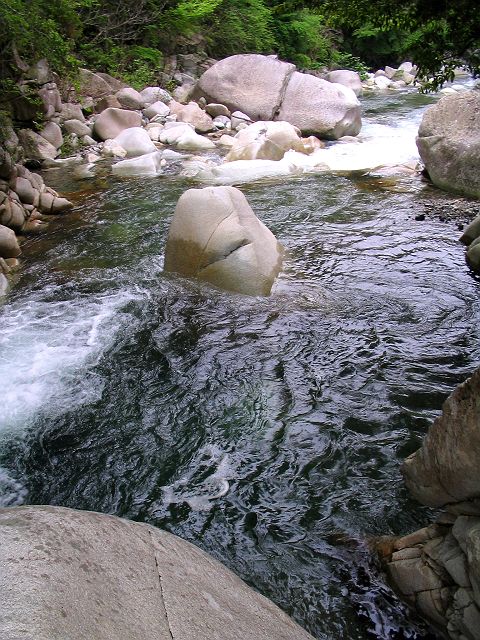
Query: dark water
(270, 432)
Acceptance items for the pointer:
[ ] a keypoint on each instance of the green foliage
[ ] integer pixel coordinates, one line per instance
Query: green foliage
(136, 65)
(344, 60)
(240, 26)
(303, 38)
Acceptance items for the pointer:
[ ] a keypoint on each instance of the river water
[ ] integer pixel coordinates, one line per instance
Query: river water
(268, 431)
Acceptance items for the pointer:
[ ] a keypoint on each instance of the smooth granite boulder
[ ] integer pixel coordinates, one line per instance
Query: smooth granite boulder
(251, 83)
(8, 243)
(136, 142)
(79, 575)
(112, 121)
(215, 236)
(348, 78)
(449, 143)
(321, 108)
(265, 141)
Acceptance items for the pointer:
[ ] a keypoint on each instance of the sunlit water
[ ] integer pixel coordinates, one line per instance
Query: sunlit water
(269, 431)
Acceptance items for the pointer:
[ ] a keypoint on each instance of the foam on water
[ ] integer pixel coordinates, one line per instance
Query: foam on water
(46, 351)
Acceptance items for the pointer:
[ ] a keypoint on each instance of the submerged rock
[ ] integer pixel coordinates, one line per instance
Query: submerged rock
(449, 143)
(215, 236)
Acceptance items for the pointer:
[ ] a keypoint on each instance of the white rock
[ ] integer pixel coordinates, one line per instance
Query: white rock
(112, 149)
(156, 109)
(146, 165)
(264, 141)
(382, 82)
(136, 142)
(240, 118)
(150, 95)
(215, 236)
(130, 99)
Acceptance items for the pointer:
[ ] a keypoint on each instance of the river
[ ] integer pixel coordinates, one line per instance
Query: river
(268, 431)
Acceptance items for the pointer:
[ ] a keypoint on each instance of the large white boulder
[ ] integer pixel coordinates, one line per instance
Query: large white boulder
(149, 164)
(264, 141)
(215, 236)
(250, 83)
(136, 142)
(348, 78)
(319, 107)
(449, 143)
(242, 171)
(265, 88)
(112, 121)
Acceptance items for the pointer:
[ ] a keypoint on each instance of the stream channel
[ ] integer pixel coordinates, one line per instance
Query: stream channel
(268, 431)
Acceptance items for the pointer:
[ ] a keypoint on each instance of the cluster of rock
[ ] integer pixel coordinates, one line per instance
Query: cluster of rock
(79, 574)
(214, 236)
(25, 204)
(391, 78)
(437, 569)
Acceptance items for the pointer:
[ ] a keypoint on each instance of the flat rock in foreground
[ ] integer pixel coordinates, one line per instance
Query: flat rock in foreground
(88, 576)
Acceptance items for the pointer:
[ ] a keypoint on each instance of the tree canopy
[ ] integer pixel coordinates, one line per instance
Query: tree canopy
(130, 36)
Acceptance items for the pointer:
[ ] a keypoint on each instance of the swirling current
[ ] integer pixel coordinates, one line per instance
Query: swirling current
(268, 431)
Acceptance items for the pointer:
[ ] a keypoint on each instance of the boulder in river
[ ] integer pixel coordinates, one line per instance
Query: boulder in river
(265, 141)
(112, 121)
(136, 142)
(215, 236)
(8, 243)
(348, 78)
(149, 164)
(192, 114)
(449, 143)
(79, 574)
(265, 88)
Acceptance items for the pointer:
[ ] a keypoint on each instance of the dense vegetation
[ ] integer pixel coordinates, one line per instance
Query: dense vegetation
(131, 37)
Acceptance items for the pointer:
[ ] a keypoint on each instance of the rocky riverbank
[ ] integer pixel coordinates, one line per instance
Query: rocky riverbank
(437, 569)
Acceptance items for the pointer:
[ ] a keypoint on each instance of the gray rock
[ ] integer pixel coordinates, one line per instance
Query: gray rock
(78, 574)
(93, 85)
(239, 118)
(320, 108)
(216, 110)
(9, 247)
(447, 467)
(130, 99)
(192, 114)
(71, 111)
(215, 236)
(35, 146)
(106, 103)
(40, 72)
(155, 94)
(25, 191)
(473, 256)
(449, 143)
(112, 121)
(78, 128)
(114, 83)
(52, 102)
(251, 83)
(6, 164)
(53, 134)
(156, 109)
(348, 78)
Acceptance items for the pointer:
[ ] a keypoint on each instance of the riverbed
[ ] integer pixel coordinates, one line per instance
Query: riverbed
(268, 431)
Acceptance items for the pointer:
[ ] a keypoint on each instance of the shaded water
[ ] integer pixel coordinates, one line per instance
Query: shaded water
(270, 432)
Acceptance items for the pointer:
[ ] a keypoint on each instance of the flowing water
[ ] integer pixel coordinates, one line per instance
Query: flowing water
(268, 431)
